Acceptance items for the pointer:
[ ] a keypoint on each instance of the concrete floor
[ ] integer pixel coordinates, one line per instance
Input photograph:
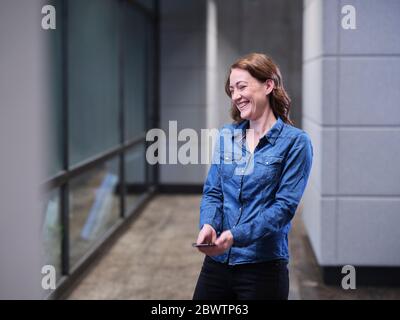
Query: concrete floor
(154, 260)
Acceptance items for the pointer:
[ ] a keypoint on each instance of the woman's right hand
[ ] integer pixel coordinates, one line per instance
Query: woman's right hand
(207, 234)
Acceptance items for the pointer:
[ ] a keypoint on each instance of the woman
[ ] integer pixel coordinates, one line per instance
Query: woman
(251, 194)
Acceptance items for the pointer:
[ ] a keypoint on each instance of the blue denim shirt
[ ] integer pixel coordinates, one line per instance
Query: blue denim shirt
(255, 195)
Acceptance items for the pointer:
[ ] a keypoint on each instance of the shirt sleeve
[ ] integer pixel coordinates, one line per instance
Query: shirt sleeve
(293, 182)
(212, 200)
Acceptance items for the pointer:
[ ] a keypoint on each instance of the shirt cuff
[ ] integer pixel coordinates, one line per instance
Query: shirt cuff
(210, 216)
(239, 236)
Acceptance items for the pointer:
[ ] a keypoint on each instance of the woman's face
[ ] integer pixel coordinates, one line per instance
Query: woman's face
(248, 94)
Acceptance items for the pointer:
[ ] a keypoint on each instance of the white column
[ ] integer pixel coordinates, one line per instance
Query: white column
(351, 111)
(23, 85)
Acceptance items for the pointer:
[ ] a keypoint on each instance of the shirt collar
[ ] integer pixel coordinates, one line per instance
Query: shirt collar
(275, 131)
(271, 135)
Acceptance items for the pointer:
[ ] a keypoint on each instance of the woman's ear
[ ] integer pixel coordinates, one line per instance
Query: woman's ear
(269, 86)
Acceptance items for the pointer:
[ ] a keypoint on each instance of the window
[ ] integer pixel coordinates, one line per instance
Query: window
(94, 207)
(102, 68)
(52, 230)
(93, 78)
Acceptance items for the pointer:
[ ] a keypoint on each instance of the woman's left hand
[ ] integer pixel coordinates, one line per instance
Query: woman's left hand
(223, 243)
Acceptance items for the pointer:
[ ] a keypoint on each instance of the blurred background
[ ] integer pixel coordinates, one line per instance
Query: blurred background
(77, 100)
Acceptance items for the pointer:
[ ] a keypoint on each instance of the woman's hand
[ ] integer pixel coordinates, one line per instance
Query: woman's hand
(222, 243)
(207, 234)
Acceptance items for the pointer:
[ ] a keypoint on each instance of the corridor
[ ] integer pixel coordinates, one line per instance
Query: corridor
(109, 114)
(154, 259)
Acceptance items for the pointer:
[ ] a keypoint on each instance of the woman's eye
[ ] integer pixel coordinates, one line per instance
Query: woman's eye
(242, 87)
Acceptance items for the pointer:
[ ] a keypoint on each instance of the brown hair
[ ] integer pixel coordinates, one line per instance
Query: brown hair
(263, 68)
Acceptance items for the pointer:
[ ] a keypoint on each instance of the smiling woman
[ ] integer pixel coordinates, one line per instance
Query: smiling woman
(258, 69)
(247, 205)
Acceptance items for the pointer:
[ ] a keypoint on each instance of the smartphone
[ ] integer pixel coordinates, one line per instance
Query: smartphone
(203, 245)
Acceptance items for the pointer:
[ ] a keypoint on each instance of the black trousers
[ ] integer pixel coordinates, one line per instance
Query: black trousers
(252, 281)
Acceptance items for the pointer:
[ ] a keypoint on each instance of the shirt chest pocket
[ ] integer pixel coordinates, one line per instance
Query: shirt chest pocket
(268, 167)
(228, 165)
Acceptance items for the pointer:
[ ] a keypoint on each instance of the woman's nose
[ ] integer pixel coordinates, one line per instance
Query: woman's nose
(235, 96)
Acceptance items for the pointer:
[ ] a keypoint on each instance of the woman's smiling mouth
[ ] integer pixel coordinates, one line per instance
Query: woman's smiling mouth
(242, 105)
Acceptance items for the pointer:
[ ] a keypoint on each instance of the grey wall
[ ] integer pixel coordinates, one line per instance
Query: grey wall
(351, 110)
(273, 27)
(183, 77)
(23, 77)
(193, 74)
